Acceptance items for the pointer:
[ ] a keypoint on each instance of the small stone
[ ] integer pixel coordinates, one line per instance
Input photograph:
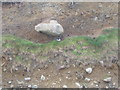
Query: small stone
(87, 79)
(114, 84)
(82, 13)
(42, 77)
(67, 77)
(60, 79)
(95, 82)
(29, 86)
(109, 72)
(10, 58)
(96, 18)
(89, 70)
(115, 14)
(101, 62)
(34, 86)
(107, 80)
(11, 86)
(27, 79)
(20, 82)
(16, 69)
(9, 82)
(96, 85)
(69, 72)
(78, 85)
(4, 70)
(53, 83)
(64, 86)
(106, 87)
(62, 67)
(107, 16)
(58, 39)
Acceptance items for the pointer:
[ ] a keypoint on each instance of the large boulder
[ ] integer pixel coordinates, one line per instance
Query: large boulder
(52, 28)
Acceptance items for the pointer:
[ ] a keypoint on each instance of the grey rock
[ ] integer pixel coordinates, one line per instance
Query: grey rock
(96, 85)
(34, 86)
(29, 86)
(95, 18)
(58, 39)
(20, 82)
(64, 86)
(42, 77)
(4, 70)
(89, 70)
(101, 62)
(107, 16)
(27, 79)
(52, 28)
(78, 84)
(11, 86)
(87, 79)
(10, 58)
(107, 80)
(9, 82)
(61, 67)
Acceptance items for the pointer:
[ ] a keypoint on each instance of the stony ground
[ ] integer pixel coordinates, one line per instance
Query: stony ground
(59, 67)
(76, 19)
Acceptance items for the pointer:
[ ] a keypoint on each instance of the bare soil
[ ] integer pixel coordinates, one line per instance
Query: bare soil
(87, 19)
(77, 19)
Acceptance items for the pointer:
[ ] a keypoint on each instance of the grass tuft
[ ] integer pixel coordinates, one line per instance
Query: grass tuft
(25, 45)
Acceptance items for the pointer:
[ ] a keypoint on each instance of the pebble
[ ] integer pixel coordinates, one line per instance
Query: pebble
(11, 86)
(115, 14)
(96, 18)
(69, 72)
(20, 82)
(95, 82)
(64, 86)
(107, 80)
(96, 85)
(87, 79)
(16, 69)
(27, 79)
(114, 84)
(9, 82)
(106, 87)
(67, 77)
(89, 70)
(34, 86)
(82, 13)
(58, 39)
(42, 77)
(53, 83)
(107, 16)
(109, 72)
(78, 85)
(62, 67)
(101, 62)
(10, 59)
(4, 70)
(29, 86)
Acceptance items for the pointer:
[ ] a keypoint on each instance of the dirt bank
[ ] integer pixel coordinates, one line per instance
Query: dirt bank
(76, 19)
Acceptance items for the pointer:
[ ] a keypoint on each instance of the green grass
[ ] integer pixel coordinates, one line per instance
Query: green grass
(108, 36)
